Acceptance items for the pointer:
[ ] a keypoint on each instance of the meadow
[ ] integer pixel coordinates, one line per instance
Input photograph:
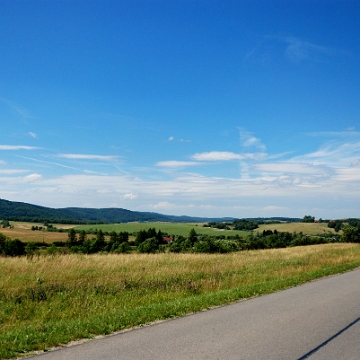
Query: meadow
(49, 301)
(168, 228)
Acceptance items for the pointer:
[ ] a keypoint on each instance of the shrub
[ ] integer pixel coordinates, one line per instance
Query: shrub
(149, 246)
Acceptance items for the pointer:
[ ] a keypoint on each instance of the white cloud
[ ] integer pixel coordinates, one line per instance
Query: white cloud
(171, 138)
(247, 139)
(267, 187)
(333, 154)
(12, 171)
(87, 157)
(225, 156)
(290, 168)
(17, 147)
(130, 196)
(31, 178)
(217, 156)
(163, 205)
(176, 164)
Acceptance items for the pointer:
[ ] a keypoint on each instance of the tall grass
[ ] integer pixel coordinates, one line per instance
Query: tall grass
(48, 301)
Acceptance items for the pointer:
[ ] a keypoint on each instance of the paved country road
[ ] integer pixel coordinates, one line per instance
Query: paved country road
(318, 320)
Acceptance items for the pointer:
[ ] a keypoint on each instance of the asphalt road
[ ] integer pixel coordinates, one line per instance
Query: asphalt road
(318, 320)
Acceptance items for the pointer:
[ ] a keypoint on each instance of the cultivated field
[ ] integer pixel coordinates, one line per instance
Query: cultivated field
(50, 300)
(23, 232)
(305, 228)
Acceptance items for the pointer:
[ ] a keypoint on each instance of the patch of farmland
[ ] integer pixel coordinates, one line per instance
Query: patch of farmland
(305, 228)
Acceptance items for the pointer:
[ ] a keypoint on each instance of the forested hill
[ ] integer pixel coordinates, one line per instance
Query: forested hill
(18, 211)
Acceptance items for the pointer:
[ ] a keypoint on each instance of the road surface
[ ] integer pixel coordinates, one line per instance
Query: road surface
(317, 320)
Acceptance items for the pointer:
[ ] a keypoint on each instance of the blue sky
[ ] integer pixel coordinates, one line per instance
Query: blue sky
(201, 107)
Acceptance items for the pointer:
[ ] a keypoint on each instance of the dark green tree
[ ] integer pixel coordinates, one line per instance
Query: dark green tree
(72, 238)
(350, 234)
(308, 219)
(192, 236)
(82, 237)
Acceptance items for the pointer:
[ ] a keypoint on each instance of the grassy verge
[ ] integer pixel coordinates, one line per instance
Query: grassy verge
(49, 301)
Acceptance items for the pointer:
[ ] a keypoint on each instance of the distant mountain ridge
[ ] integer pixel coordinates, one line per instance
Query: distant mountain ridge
(19, 211)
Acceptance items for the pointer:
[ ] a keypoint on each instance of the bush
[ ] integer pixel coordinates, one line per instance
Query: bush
(14, 248)
(123, 248)
(149, 246)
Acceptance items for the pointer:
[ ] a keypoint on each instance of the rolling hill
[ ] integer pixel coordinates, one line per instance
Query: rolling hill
(19, 211)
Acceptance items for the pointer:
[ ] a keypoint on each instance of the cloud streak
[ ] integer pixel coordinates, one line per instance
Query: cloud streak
(176, 164)
(17, 147)
(88, 157)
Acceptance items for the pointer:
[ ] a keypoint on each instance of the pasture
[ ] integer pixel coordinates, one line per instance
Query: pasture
(165, 227)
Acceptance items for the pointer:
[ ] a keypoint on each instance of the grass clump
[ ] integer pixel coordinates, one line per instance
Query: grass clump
(47, 301)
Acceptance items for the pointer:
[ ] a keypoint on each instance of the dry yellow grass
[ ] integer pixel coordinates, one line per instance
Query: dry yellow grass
(27, 235)
(23, 232)
(214, 271)
(305, 228)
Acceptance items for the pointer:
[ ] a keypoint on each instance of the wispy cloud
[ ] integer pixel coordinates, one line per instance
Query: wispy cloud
(348, 133)
(33, 135)
(176, 164)
(20, 110)
(296, 50)
(289, 167)
(17, 147)
(247, 139)
(88, 157)
(12, 171)
(262, 183)
(299, 50)
(130, 196)
(218, 156)
(49, 163)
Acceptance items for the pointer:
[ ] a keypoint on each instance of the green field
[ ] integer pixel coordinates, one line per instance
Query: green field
(169, 228)
(184, 228)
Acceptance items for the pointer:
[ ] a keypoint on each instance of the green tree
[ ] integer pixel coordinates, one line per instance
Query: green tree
(31, 249)
(192, 236)
(149, 246)
(5, 224)
(350, 234)
(14, 248)
(308, 219)
(141, 237)
(82, 237)
(2, 243)
(72, 238)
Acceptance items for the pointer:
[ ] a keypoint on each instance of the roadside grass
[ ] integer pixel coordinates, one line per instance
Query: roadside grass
(51, 300)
